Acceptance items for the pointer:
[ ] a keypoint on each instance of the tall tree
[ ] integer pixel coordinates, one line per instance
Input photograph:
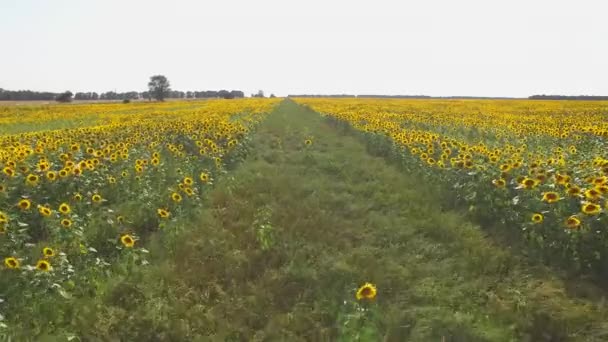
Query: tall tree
(159, 87)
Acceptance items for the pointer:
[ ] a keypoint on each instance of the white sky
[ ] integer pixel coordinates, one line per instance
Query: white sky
(432, 47)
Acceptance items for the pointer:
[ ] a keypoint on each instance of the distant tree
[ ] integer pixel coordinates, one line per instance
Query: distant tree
(224, 94)
(237, 94)
(64, 97)
(159, 87)
(272, 96)
(259, 94)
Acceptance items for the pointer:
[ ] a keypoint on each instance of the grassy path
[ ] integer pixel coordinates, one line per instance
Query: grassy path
(288, 236)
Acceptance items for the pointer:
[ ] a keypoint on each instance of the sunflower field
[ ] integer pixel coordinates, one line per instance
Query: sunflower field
(535, 169)
(82, 186)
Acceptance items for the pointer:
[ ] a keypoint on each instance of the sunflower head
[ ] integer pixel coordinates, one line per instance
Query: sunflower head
(11, 262)
(64, 208)
(127, 240)
(188, 181)
(24, 204)
(499, 183)
(590, 208)
(96, 198)
(67, 223)
(550, 197)
(176, 197)
(48, 252)
(537, 218)
(162, 213)
(366, 292)
(44, 211)
(573, 222)
(43, 265)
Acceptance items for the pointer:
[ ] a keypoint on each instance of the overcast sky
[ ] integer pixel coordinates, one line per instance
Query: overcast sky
(432, 47)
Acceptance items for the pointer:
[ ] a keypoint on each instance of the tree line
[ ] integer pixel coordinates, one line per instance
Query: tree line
(564, 97)
(29, 95)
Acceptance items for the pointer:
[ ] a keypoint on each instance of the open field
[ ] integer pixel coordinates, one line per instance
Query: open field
(260, 219)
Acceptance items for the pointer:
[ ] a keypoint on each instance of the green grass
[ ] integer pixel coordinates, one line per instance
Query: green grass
(283, 241)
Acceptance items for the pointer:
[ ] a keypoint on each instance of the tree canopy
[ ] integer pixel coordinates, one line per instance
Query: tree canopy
(159, 87)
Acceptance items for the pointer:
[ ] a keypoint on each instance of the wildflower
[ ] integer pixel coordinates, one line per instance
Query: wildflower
(96, 198)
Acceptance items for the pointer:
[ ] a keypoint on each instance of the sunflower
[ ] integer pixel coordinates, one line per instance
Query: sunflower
(188, 181)
(162, 213)
(499, 183)
(537, 218)
(120, 218)
(44, 211)
(307, 142)
(204, 177)
(189, 191)
(48, 252)
(573, 222)
(176, 197)
(64, 208)
(77, 197)
(24, 204)
(590, 208)
(550, 197)
(155, 161)
(574, 191)
(111, 180)
(8, 171)
(67, 223)
(593, 195)
(3, 217)
(11, 262)
(43, 265)
(127, 240)
(529, 183)
(96, 198)
(32, 180)
(367, 291)
(2, 188)
(51, 175)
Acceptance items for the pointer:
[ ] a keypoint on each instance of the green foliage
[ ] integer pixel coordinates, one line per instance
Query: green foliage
(281, 243)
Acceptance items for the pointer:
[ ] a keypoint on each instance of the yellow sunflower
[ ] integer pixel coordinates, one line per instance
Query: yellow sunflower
(367, 291)
(127, 240)
(11, 262)
(550, 197)
(537, 218)
(43, 265)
